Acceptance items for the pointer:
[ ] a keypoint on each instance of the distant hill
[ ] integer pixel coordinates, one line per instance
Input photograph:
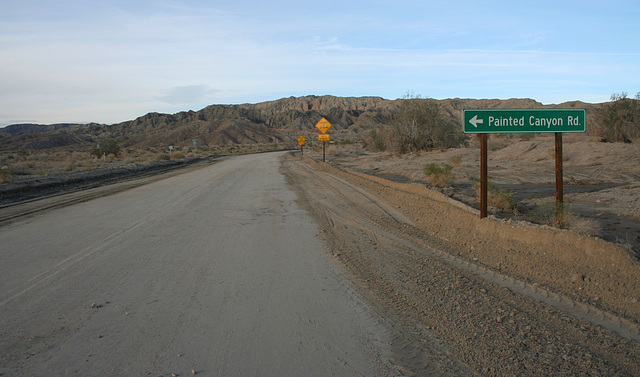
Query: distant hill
(279, 121)
(30, 128)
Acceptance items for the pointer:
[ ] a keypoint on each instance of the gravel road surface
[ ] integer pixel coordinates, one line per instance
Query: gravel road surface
(217, 272)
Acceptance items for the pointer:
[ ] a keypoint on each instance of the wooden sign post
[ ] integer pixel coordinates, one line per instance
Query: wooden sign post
(323, 125)
(323, 139)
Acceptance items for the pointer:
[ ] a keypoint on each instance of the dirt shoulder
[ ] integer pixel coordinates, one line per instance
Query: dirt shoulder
(33, 187)
(31, 197)
(445, 274)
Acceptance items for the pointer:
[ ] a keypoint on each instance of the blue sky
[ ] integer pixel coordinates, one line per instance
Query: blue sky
(110, 61)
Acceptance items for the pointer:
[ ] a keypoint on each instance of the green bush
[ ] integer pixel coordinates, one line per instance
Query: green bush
(375, 139)
(439, 176)
(496, 197)
(106, 147)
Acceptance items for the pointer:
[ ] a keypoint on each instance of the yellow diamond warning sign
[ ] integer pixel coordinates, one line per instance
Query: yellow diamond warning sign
(301, 140)
(323, 125)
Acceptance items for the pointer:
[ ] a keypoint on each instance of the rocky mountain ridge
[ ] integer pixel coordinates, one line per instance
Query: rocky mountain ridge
(280, 121)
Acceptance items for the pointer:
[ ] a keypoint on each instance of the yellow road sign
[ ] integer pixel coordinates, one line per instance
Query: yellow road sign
(323, 137)
(301, 140)
(323, 125)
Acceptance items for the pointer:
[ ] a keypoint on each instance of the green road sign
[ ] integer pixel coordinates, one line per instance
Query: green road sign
(523, 120)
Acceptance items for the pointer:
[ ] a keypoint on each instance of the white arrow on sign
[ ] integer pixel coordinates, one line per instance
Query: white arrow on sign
(475, 121)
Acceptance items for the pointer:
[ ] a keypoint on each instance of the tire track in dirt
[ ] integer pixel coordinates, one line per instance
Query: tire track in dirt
(66, 264)
(411, 354)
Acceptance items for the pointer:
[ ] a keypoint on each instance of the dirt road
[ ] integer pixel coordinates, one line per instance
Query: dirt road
(266, 266)
(216, 271)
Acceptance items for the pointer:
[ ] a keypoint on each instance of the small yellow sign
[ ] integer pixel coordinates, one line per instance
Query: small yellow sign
(323, 125)
(323, 137)
(301, 140)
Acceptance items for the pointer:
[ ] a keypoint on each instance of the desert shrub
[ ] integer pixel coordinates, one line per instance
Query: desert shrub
(6, 176)
(497, 197)
(163, 157)
(439, 176)
(622, 119)
(419, 124)
(345, 142)
(579, 224)
(177, 155)
(106, 147)
(502, 199)
(455, 160)
(20, 170)
(375, 139)
(545, 213)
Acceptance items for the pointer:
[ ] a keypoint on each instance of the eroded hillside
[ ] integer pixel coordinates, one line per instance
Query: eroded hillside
(280, 121)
